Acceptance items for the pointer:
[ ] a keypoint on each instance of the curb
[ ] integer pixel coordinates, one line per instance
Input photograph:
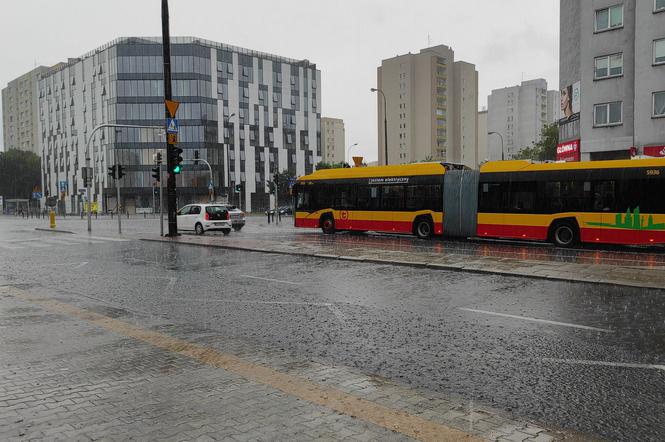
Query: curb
(53, 230)
(415, 264)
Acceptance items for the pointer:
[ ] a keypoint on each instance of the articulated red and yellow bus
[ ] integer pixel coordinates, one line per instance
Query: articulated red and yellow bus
(617, 202)
(399, 199)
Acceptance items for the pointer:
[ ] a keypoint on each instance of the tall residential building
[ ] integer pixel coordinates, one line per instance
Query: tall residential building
(518, 114)
(483, 147)
(333, 146)
(612, 79)
(249, 114)
(432, 105)
(19, 112)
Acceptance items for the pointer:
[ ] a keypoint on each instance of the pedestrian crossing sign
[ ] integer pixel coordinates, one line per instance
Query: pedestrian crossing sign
(171, 126)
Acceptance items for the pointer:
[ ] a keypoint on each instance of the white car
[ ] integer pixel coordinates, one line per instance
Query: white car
(237, 217)
(203, 217)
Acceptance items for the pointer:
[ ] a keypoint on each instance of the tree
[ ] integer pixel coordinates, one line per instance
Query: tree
(545, 149)
(20, 173)
(323, 165)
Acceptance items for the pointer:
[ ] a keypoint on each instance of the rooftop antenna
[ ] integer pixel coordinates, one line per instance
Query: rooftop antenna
(429, 41)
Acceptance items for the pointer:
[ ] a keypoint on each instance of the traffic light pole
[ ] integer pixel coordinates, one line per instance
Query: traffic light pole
(87, 159)
(117, 187)
(170, 179)
(161, 201)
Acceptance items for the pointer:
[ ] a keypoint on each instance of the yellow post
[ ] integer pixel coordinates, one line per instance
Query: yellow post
(52, 218)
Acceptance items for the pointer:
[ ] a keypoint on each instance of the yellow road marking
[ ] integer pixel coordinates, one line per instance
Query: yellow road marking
(334, 399)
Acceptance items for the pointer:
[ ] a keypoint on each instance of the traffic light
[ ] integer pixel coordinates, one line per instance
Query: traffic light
(196, 157)
(275, 178)
(177, 159)
(158, 158)
(112, 173)
(238, 188)
(121, 173)
(155, 173)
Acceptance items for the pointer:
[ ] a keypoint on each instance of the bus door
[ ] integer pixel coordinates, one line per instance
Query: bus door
(365, 214)
(604, 205)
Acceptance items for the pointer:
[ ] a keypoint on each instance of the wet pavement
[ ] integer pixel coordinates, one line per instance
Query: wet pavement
(564, 355)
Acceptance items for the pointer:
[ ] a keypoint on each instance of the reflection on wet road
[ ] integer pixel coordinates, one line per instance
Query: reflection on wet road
(572, 355)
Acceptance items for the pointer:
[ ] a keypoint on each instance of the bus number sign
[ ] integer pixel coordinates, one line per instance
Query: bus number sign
(653, 172)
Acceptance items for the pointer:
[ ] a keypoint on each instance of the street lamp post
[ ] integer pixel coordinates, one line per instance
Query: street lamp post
(385, 121)
(226, 147)
(500, 136)
(348, 151)
(87, 159)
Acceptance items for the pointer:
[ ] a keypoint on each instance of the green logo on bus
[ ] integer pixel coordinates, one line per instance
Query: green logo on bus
(632, 221)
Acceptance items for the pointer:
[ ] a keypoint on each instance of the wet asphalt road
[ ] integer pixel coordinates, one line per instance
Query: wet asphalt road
(432, 329)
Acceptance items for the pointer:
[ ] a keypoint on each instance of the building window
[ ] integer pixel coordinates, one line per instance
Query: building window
(607, 114)
(608, 66)
(659, 51)
(609, 18)
(659, 104)
(658, 5)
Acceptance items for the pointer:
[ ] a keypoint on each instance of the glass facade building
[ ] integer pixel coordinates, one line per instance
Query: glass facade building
(249, 114)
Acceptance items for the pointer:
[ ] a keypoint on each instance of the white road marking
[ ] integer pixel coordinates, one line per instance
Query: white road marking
(81, 265)
(607, 364)
(542, 321)
(7, 246)
(270, 279)
(171, 284)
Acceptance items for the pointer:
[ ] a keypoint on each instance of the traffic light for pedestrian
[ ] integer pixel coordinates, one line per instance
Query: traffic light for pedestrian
(238, 188)
(155, 173)
(112, 172)
(158, 158)
(120, 172)
(177, 160)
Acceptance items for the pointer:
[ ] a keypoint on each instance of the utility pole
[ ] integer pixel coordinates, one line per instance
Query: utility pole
(170, 180)
(161, 201)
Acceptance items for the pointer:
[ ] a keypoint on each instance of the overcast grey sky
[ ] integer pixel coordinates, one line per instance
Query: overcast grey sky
(507, 40)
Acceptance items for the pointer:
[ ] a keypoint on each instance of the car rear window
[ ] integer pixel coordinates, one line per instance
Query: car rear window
(216, 212)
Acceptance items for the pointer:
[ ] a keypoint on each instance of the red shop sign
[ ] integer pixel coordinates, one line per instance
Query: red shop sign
(568, 151)
(654, 151)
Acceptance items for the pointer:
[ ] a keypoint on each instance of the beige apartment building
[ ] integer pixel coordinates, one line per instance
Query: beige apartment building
(333, 147)
(19, 112)
(432, 108)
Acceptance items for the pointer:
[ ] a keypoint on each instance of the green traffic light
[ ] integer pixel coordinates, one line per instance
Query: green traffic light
(177, 169)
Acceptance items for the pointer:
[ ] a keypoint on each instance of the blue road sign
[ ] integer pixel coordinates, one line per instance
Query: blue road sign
(171, 126)
(36, 195)
(63, 186)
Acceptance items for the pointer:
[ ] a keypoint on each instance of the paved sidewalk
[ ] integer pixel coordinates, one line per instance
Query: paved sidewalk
(73, 369)
(621, 273)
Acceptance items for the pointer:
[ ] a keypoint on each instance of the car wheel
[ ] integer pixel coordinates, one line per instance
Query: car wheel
(237, 228)
(328, 225)
(423, 228)
(565, 234)
(226, 231)
(199, 229)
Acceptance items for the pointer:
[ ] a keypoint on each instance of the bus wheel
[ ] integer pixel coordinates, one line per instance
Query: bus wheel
(565, 234)
(423, 228)
(328, 225)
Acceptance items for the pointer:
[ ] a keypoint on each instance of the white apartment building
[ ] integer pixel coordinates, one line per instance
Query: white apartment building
(19, 112)
(248, 113)
(432, 108)
(518, 114)
(612, 65)
(333, 145)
